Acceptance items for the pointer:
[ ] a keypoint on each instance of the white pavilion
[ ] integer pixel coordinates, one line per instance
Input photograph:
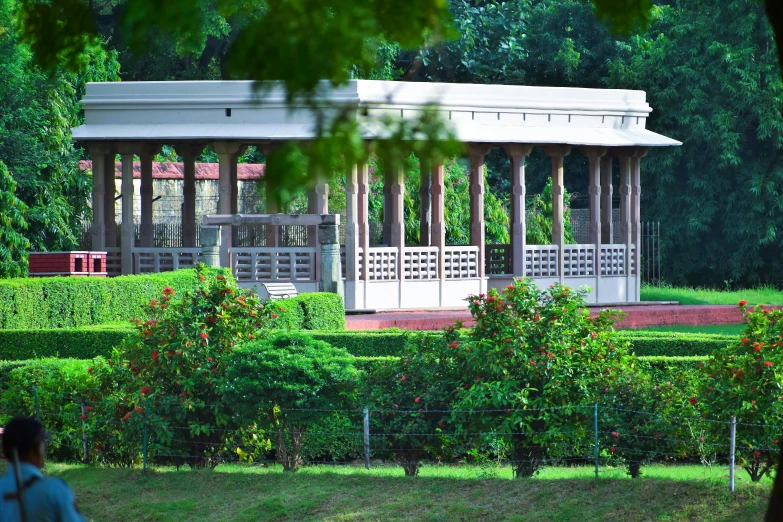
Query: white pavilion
(136, 118)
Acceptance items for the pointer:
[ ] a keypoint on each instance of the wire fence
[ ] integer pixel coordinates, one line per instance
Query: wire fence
(593, 436)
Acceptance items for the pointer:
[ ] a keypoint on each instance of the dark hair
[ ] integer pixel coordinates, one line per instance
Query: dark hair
(22, 433)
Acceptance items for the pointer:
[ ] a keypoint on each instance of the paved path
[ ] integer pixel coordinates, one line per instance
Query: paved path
(639, 316)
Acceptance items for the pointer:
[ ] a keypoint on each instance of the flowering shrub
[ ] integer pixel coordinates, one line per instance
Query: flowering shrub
(175, 366)
(744, 379)
(288, 383)
(539, 362)
(410, 399)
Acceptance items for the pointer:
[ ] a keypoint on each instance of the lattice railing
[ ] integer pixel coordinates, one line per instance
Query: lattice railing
(156, 260)
(633, 259)
(578, 260)
(612, 260)
(498, 259)
(382, 263)
(541, 261)
(461, 262)
(273, 264)
(420, 263)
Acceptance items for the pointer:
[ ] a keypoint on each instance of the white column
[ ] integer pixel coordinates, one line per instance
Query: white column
(558, 154)
(317, 203)
(272, 207)
(364, 220)
(607, 219)
(228, 153)
(127, 230)
(625, 207)
(397, 221)
(425, 205)
(477, 231)
(517, 152)
(146, 153)
(594, 156)
(439, 219)
(636, 216)
(351, 224)
(189, 154)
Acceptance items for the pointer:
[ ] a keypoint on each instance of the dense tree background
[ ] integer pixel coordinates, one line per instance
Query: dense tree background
(709, 69)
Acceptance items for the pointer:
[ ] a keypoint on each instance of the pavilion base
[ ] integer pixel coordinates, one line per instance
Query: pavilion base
(603, 289)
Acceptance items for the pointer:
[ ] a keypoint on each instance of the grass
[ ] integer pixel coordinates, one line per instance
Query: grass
(691, 296)
(342, 493)
(722, 329)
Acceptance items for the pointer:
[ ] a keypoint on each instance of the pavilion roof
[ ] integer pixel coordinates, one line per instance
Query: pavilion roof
(233, 110)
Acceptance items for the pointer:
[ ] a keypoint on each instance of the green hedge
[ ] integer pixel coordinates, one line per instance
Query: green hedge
(86, 342)
(675, 344)
(378, 343)
(322, 311)
(67, 302)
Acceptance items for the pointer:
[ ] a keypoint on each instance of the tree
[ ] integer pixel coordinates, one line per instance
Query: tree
(39, 108)
(13, 244)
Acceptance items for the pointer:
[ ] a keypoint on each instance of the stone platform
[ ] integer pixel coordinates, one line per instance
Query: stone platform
(638, 316)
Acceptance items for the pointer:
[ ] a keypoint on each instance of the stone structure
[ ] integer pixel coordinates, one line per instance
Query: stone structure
(136, 118)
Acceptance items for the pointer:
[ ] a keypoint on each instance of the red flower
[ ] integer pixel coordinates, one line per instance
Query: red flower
(611, 449)
(211, 320)
(757, 347)
(89, 370)
(209, 359)
(768, 364)
(154, 355)
(82, 416)
(490, 299)
(88, 408)
(510, 287)
(532, 363)
(476, 302)
(204, 335)
(757, 453)
(402, 378)
(220, 278)
(657, 435)
(453, 345)
(745, 340)
(282, 309)
(593, 335)
(693, 401)
(126, 417)
(146, 390)
(98, 447)
(743, 303)
(274, 316)
(701, 365)
(615, 434)
(509, 341)
(417, 399)
(395, 406)
(441, 424)
(154, 302)
(184, 394)
(168, 290)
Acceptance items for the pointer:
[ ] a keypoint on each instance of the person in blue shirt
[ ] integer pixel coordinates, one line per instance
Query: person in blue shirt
(43, 499)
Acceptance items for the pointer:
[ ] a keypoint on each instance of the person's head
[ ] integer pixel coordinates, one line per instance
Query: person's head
(28, 437)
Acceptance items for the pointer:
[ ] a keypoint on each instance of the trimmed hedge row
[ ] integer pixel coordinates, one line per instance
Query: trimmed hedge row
(92, 341)
(67, 302)
(675, 344)
(86, 342)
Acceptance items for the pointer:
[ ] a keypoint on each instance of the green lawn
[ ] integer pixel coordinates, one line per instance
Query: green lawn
(440, 493)
(722, 329)
(763, 295)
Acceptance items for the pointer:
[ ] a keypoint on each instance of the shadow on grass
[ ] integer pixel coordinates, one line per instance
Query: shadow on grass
(111, 494)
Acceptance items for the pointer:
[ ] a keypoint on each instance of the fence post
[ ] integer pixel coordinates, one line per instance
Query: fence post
(595, 427)
(37, 405)
(146, 431)
(731, 452)
(366, 438)
(86, 455)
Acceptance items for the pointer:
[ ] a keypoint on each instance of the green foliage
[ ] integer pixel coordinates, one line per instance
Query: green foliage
(13, 244)
(410, 399)
(287, 383)
(84, 342)
(373, 343)
(174, 366)
(39, 109)
(321, 310)
(673, 344)
(539, 218)
(744, 379)
(528, 351)
(66, 302)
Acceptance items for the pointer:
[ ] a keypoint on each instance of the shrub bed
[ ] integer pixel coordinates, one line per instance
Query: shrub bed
(674, 344)
(66, 302)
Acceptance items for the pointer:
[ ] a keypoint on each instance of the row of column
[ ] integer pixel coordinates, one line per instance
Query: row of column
(104, 227)
(432, 219)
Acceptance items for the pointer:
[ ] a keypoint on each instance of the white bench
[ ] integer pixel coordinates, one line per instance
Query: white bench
(280, 290)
